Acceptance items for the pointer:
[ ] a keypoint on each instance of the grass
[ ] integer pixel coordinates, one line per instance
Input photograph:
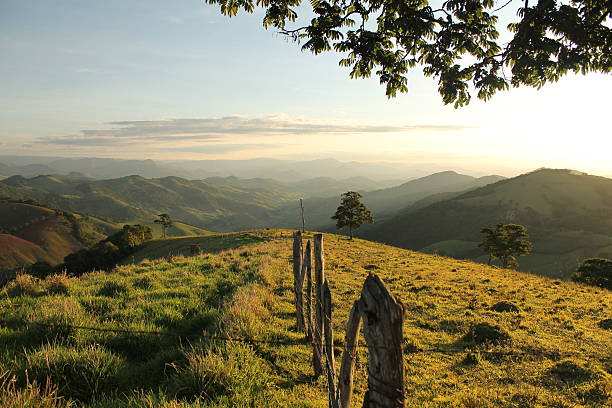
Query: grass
(552, 352)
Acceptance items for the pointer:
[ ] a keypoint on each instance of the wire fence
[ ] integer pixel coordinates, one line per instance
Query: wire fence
(13, 324)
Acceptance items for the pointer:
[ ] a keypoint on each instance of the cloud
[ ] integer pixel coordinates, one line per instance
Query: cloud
(221, 148)
(219, 129)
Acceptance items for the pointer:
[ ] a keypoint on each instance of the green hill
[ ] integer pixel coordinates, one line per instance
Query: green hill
(31, 233)
(137, 199)
(555, 351)
(384, 203)
(568, 215)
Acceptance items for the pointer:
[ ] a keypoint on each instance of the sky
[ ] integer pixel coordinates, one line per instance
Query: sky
(177, 80)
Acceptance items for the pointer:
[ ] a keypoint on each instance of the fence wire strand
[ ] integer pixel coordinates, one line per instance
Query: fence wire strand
(217, 337)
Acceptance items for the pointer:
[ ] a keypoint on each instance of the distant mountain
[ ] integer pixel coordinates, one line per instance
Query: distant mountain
(568, 215)
(30, 233)
(384, 203)
(284, 171)
(316, 187)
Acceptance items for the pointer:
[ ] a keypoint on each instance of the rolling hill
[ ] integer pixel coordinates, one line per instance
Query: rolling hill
(138, 199)
(568, 215)
(383, 203)
(30, 233)
(218, 330)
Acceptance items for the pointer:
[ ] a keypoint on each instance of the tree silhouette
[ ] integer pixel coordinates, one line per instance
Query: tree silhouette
(352, 212)
(165, 221)
(595, 272)
(506, 242)
(455, 41)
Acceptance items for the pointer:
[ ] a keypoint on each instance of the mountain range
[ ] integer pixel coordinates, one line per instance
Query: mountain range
(567, 213)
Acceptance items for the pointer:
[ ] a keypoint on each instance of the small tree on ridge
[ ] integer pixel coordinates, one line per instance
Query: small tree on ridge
(506, 242)
(352, 212)
(165, 221)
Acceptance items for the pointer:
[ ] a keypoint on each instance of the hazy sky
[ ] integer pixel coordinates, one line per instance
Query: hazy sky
(175, 79)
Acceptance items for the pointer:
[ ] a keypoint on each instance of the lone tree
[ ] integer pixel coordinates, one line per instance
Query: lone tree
(595, 272)
(352, 212)
(165, 221)
(506, 242)
(455, 41)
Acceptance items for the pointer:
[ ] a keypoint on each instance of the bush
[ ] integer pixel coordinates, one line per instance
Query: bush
(504, 306)
(82, 373)
(112, 289)
(40, 269)
(569, 371)
(233, 370)
(595, 272)
(23, 285)
(32, 395)
(58, 284)
(482, 333)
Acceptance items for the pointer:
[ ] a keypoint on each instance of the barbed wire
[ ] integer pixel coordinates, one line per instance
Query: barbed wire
(218, 337)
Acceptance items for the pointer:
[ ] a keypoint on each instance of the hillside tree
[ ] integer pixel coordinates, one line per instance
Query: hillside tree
(352, 213)
(455, 41)
(165, 221)
(595, 272)
(506, 242)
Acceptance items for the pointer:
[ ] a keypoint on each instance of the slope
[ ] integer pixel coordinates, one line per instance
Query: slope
(557, 353)
(568, 215)
(135, 198)
(383, 203)
(34, 233)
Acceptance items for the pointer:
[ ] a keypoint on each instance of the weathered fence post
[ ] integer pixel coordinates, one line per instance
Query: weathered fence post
(307, 277)
(383, 316)
(297, 273)
(317, 358)
(332, 394)
(349, 357)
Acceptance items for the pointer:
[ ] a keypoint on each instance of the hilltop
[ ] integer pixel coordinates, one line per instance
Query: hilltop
(568, 215)
(383, 202)
(556, 352)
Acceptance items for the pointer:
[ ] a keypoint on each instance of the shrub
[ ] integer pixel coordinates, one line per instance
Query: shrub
(82, 373)
(32, 395)
(58, 284)
(482, 333)
(595, 272)
(112, 289)
(40, 269)
(569, 371)
(232, 370)
(23, 285)
(606, 324)
(504, 306)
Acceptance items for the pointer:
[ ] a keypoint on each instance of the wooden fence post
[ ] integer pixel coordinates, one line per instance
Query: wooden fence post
(317, 358)
(349, 357)
(383, 316)
(297, 271)
(307, 277)
(332, 394)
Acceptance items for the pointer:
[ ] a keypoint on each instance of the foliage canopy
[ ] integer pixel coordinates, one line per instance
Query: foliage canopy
(506, 242)
(595, 272)
(165, 221)
(352, 212)
(457, 42)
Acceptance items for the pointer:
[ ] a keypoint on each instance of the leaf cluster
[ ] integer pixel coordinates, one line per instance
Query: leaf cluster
(457, 43)
(352, 212)
(506, 242)
(595, 272)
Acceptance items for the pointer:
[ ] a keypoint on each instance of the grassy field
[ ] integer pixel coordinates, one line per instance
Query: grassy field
(552, 352)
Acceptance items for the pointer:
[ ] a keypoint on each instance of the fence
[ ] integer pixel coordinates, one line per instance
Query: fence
(382, 315)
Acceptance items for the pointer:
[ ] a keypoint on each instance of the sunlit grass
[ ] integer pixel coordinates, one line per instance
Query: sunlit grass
(552, 352)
